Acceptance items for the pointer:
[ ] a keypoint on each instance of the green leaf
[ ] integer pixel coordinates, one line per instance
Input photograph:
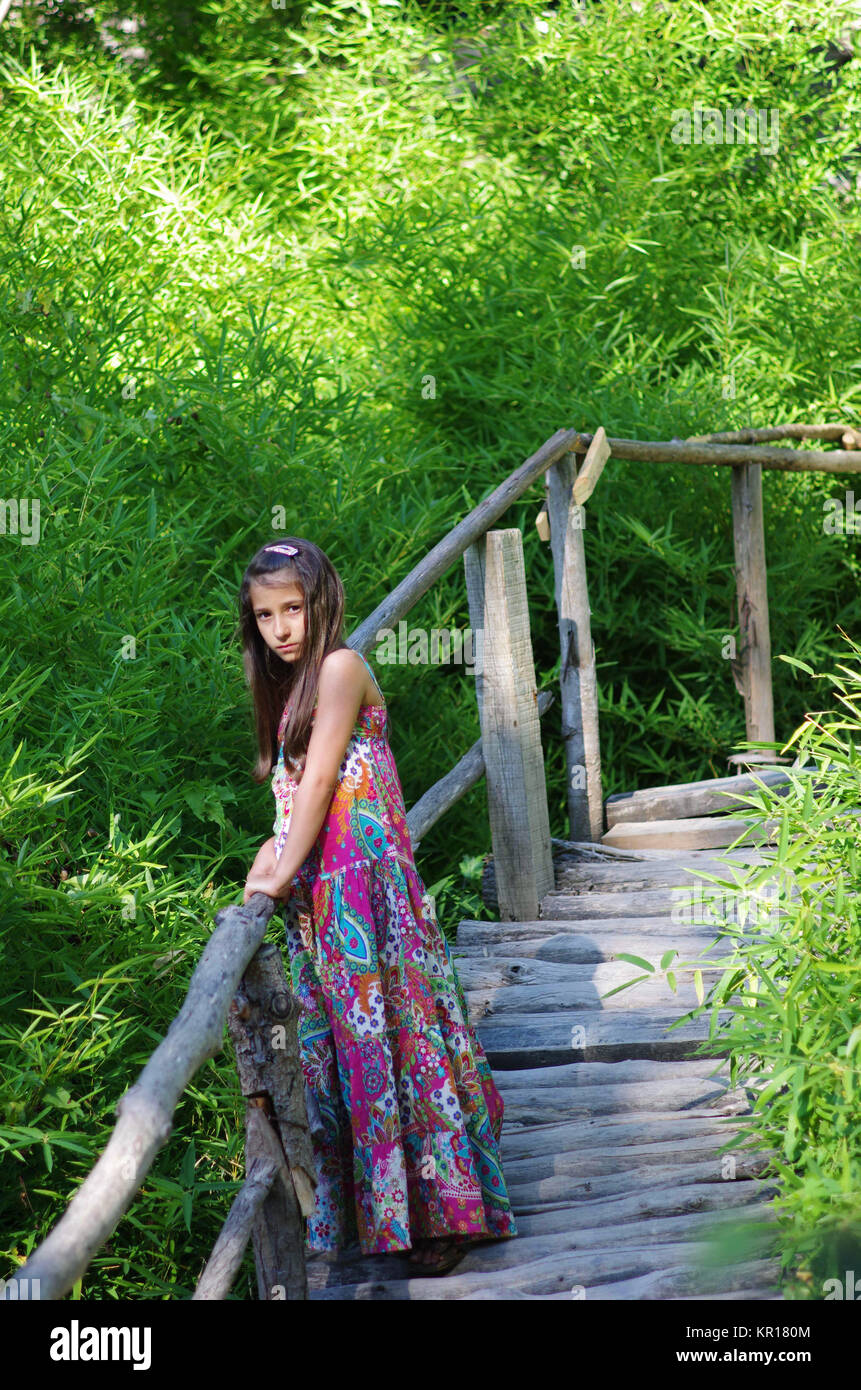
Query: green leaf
(187, 1170)
(633, 960)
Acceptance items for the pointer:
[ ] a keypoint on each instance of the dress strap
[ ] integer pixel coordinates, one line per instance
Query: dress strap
(373, 677)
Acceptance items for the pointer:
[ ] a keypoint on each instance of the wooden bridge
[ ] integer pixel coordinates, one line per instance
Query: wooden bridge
(613, 1144)
(619, 1140)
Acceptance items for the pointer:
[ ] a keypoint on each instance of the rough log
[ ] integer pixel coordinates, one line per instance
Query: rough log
(263, 1027)
(773, 432)
(726, 455)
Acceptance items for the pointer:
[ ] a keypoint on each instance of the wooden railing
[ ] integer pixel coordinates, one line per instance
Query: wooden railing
(241, 982)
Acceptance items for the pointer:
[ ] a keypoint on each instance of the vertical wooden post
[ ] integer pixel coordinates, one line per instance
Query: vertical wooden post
(754, 656)
(262, 1022)
(577, 677)
(510, 729)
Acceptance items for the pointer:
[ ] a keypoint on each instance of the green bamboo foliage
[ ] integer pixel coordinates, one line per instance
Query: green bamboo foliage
(787, 1006)
(299, 269)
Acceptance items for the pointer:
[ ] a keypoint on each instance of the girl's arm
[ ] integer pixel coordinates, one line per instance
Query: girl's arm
(343, 678)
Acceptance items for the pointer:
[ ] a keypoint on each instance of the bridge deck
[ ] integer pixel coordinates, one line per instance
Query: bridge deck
(613, 1133)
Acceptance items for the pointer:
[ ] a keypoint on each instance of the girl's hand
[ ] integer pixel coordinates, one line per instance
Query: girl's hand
(268, 883)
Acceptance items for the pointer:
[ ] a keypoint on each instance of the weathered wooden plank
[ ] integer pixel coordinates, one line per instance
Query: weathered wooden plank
(593, 1036)
(599, 931)
(592, 467)
(633, 1126)
(510, 727)
(577, 673)
(584, 948)
(753, 666)
(551, 1274)
(691, 798)
(526, 1249)
(635, 876)
(671, 1094)
(682, 1092)
(615, 1212)
(531, 1193)
(601, 856)
(614, 1158)
(613, 1073)
(589, 907)
(510, 1001)
(763, 1295)
(698, 832)
(605, 1294)
(550, 1105)
(679, 1284)
(512, 982)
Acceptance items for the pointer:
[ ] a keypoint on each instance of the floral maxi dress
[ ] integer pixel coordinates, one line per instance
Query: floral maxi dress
(411, 1113)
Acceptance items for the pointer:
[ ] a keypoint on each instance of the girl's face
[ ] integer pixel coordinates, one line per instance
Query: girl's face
(280, 613)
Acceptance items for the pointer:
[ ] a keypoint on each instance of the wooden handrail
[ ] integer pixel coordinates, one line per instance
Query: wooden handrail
(146, 1110)
(457, 541)
(847, 434)
(678, 451)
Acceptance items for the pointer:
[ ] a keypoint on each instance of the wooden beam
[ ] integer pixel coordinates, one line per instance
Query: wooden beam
(452, 546)
(592, 468)
(754, 655)
(696, 832)
(844, 433)
(727, 455)
(510, 728)
(577, 677)
(689, 798)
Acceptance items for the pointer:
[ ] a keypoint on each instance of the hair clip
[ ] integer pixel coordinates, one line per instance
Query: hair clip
(283, 549)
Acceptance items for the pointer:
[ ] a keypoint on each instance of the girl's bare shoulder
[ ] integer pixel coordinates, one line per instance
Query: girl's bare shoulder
(344, 667)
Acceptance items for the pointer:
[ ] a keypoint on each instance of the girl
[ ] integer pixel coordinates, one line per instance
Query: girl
(410, 1159)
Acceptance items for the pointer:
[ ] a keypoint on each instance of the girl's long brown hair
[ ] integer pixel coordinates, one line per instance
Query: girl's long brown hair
(272, 681)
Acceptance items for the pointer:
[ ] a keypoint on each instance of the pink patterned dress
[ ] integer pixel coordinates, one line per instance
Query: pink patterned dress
(411, 1113)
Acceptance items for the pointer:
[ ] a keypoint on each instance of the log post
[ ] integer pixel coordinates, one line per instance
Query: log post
(754, 656)
(510, 728)
(262, 1022)
(577, 676)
